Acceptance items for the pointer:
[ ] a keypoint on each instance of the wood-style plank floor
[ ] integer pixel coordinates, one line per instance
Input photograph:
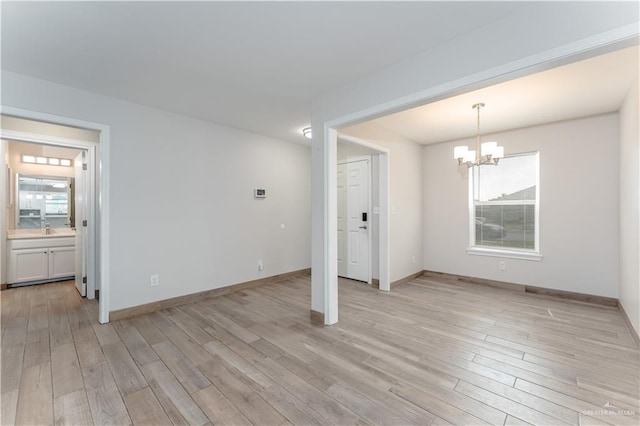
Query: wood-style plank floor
(429, 352)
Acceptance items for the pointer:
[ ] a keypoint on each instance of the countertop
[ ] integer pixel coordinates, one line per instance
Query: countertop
(22, 234)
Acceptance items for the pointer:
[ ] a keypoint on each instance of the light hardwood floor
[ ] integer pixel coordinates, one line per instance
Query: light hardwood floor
(429, 352)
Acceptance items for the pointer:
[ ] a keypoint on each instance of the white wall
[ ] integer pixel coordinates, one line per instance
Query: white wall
(405, 198)
(349, 149)
(160, 163)
(578, 208)
(629, 206)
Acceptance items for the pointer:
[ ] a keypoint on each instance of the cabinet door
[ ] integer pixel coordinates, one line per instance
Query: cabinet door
(28, 265)
(62, 262)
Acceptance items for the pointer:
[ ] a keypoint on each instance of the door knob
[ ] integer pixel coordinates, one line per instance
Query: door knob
(363, 227)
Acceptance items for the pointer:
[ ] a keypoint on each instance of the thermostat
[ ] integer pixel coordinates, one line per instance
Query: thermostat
(260, 193)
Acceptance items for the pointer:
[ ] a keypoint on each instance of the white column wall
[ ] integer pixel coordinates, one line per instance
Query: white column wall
(630, 206)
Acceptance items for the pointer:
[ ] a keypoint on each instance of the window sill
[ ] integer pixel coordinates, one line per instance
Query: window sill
(510, 254)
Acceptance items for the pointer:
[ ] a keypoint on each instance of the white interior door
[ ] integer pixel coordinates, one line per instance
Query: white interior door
(81, 216)
(353, 220)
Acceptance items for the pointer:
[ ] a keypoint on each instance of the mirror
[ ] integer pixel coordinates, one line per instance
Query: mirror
(44, 200)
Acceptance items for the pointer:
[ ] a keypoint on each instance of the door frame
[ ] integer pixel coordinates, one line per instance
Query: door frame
(368, 158)
(384, 261)
(80, 239)
(98, 160)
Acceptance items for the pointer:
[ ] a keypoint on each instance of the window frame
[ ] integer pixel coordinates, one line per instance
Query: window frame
(506, 252)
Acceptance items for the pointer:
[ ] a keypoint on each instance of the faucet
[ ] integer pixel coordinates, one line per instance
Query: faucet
(47, 229)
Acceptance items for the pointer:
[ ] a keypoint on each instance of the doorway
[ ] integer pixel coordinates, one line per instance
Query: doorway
(354, 217)
(42, 212)
(47, 240)
(363, 166)
(86, 140)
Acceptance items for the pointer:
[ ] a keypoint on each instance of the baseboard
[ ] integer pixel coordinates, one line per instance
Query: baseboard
(580, 297)
(317, 318)
(189, 298)
(406, 279)
(37, 282)
(634, 334)
(471, 280)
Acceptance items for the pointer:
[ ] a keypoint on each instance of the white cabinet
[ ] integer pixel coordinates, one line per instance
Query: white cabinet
(28, 265)
(41, 259)
(62, 262)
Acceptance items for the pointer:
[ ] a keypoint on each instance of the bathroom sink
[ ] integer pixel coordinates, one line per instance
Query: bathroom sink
(63, 232)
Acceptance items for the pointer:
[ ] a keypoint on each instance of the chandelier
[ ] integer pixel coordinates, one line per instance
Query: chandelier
(488, 153)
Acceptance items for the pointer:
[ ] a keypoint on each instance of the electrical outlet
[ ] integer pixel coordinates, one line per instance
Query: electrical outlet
(260, 265)
(502, 266)
(154, 280)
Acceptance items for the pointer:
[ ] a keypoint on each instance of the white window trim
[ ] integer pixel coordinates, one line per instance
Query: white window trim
(506, 203)
(510, 253)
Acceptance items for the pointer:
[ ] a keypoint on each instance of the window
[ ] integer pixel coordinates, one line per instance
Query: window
(504, 208)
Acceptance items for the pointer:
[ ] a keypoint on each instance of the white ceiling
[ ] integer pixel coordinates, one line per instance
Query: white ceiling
(589, 87)
(257, 65)
(249, 65)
